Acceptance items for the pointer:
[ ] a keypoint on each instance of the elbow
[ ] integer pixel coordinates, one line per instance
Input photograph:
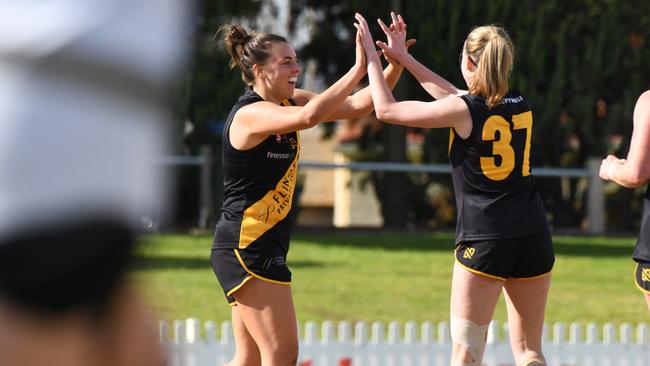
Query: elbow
(312, 121)
(360, 111)
(389, 116)
(308, 119)
(382, 113)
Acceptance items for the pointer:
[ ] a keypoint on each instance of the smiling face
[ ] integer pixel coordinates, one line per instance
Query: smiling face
(276, 79)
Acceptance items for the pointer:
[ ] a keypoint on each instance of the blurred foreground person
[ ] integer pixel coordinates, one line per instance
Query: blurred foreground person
(82, 120)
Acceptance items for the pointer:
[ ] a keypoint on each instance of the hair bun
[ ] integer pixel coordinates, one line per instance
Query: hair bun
(237, 35)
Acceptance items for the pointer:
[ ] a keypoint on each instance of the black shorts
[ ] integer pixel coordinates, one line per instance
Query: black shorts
(234, 267)
(523, 258)
(643, 277)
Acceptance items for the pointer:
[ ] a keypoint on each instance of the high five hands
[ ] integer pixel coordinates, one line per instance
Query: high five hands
(396, 48)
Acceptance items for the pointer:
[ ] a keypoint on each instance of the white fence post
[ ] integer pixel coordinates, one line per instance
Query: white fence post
(444, 334)
(592, 334)
(575, 333)
(426, 332)
(609, 334)
(642, 334)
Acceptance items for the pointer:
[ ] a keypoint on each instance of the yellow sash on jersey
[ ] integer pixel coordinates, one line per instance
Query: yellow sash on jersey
(273, 207)
(451, 140)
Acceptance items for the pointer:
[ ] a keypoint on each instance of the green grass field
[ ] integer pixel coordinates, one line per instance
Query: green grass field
(388, 276)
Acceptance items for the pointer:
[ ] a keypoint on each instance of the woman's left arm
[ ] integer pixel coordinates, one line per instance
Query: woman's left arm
(634, 171)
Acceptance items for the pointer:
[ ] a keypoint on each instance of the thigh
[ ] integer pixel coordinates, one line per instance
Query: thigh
(267, 311)
(474, 296)
(526, 304)
(246, 352)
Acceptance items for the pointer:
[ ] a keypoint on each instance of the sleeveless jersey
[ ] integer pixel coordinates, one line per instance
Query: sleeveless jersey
(496, 196)
(258, 187)
(642, 248)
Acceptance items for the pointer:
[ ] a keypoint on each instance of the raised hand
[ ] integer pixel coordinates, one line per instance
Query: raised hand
(363, 33)
(360, 56)
(397, 47)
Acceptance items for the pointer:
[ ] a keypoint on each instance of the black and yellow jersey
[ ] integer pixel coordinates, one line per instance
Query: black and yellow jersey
(642, 248)
(258, 187)
(496, 196)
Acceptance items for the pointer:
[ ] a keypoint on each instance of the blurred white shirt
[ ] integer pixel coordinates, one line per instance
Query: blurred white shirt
(82, 107)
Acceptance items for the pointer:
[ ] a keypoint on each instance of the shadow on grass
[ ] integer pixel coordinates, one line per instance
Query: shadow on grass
(154, 262)
(586, 246)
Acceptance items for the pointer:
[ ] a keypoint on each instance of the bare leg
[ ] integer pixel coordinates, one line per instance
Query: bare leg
(268, 314)
(526, 302)
(473, 298)
(647, 299)
(246, 352)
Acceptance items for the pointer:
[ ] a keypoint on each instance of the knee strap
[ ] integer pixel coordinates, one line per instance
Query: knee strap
(470, 335)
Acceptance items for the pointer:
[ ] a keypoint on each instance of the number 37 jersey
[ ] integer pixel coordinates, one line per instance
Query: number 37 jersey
(496, 196)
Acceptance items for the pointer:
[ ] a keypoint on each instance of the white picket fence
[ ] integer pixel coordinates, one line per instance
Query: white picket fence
(410, 344)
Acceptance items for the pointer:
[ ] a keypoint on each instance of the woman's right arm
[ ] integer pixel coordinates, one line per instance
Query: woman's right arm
(257, 121)
(433, 83)
(266, 118)
(634, 171)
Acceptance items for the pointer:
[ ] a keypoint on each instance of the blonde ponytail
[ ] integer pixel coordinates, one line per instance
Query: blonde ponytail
(493, 48)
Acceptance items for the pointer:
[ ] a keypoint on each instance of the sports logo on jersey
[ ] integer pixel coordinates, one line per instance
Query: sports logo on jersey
(282, 139)
(469, 252)
(294, 143)
(281, 156)
(265, 214)
(645, 275)
(515, 100)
